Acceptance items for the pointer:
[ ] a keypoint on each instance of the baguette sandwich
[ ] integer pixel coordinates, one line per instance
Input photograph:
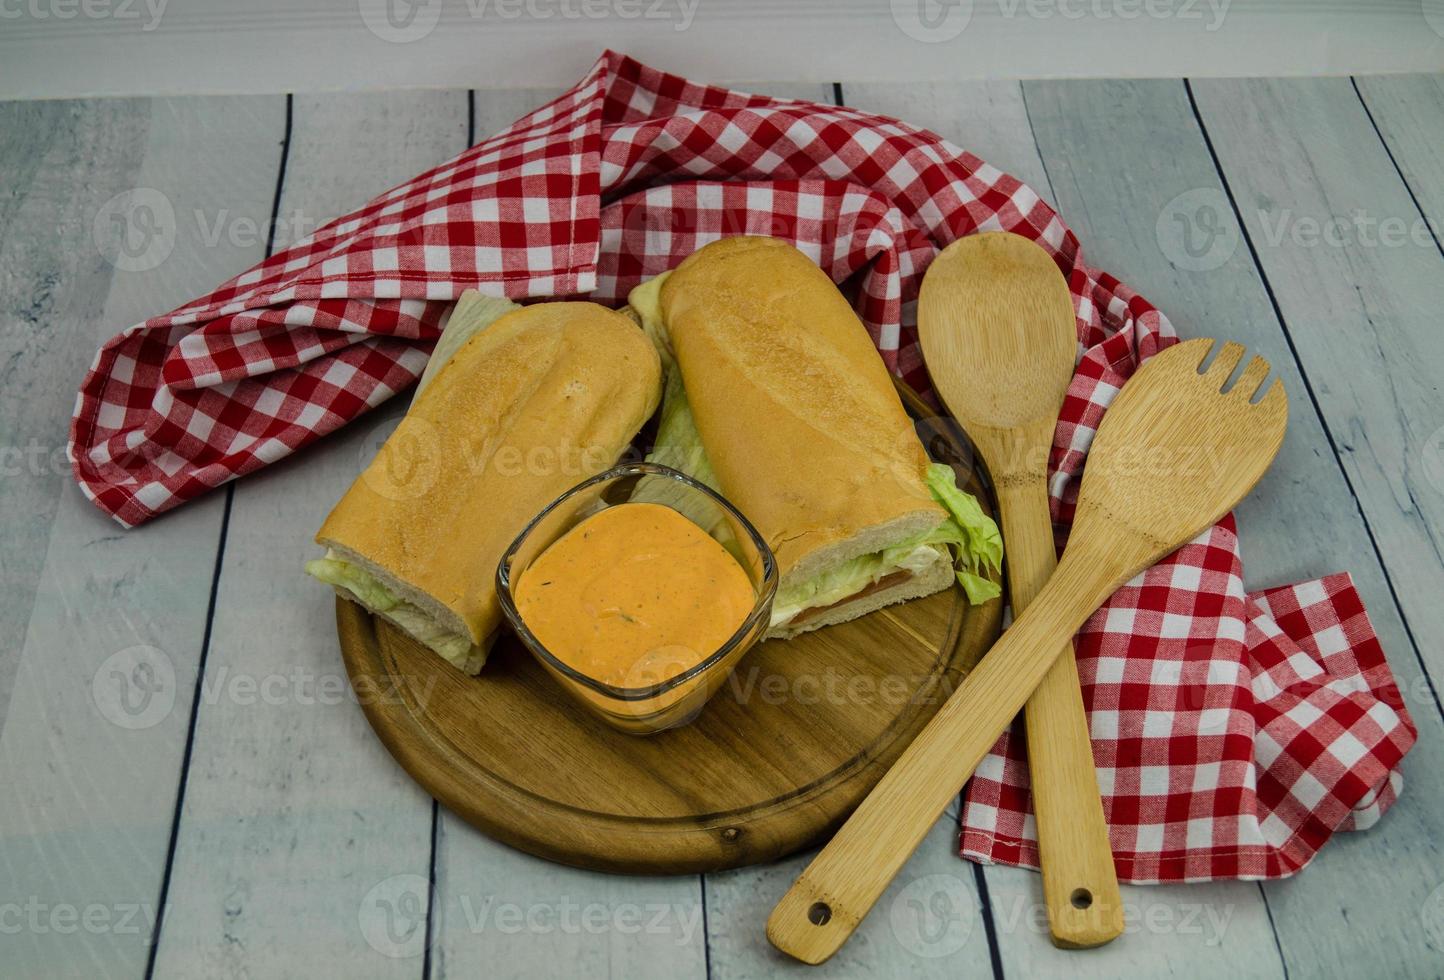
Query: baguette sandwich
(776, 397)
(527, 405)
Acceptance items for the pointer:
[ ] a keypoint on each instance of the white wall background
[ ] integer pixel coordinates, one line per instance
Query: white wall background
(55, 48)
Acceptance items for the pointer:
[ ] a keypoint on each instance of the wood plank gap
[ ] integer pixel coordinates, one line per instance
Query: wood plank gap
(990, 928)
(280, 178)
(432, 918)
(706, 938)
(180, 797)
(1313, 396)
(955, 811)
(185, 767)
(1389, 152)
(1278, 943)
(1042, 159)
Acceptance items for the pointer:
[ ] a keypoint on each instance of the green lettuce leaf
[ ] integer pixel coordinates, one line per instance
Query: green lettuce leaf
(970, 534)
(376, 597)
(646, 301)
(472, 314)
(851, 577)
(678, 443)
(974, 536)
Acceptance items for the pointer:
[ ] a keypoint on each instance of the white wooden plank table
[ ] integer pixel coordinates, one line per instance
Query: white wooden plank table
(187, 788)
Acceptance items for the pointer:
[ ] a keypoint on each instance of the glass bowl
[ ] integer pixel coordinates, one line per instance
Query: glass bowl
(651, 704)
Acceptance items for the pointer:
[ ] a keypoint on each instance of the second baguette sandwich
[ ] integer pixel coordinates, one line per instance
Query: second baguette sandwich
(792, 415)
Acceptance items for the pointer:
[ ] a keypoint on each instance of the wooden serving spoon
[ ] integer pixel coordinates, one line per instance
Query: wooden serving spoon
(1173, 454)
(995, 318)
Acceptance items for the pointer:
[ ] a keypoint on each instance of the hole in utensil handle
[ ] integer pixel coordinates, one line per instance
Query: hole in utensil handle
(1081, 898)
(820, 914)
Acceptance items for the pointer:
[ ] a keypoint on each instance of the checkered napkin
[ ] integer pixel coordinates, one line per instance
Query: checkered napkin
(1234, 733)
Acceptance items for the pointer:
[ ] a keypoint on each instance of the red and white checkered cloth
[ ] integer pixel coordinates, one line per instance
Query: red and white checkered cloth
(1233, 733)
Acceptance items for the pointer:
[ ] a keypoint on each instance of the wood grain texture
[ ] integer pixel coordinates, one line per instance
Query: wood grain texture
(780, 756)
(504, 914)
(1118, 149)
(1127, 518)
(492, 110)
(987, 118)
(996, 323)
(1113, 154)
(93, 742)
(49, 283)
(740, 900)
(89, 824)
(1363, 316)
(776, 759)
(929, 924)
(479, 882)
(300, 847)
(1119, 152)
(1408, 111)
(312, 45)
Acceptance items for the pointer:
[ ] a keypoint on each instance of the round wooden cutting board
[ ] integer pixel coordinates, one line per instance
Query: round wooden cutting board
(778, 758)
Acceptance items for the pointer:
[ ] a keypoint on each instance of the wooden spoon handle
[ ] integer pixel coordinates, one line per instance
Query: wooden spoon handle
(826, 903)
(1080, 885)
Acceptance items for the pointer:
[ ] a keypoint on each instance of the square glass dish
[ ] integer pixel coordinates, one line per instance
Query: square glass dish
(654, 703)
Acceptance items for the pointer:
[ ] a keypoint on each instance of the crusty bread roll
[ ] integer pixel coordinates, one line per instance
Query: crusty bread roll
(533, 404)
(799, 417)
